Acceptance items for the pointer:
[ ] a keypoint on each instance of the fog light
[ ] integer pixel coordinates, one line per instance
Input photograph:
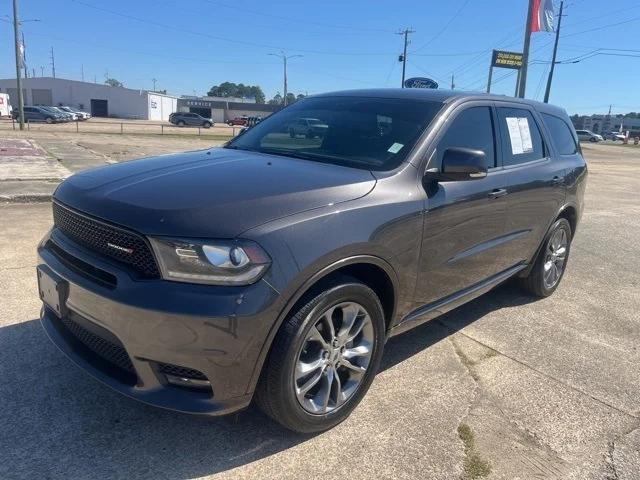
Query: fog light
(188, 382)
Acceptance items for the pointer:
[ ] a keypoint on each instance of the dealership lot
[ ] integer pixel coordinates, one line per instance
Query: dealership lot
(505, 386)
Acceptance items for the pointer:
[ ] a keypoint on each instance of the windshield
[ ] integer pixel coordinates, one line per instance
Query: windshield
(360, 132)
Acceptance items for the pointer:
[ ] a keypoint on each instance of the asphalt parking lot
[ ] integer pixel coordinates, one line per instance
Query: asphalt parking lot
(506, 387)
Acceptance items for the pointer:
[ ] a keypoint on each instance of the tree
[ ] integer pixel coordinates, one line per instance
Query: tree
(239, 90)
(113, 82)
(276, 100)
(291, 98)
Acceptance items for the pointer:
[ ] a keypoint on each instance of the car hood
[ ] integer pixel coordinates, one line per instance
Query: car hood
(217, 193)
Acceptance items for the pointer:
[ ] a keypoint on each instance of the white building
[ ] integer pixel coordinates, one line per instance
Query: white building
(98, 99)
(611, 123)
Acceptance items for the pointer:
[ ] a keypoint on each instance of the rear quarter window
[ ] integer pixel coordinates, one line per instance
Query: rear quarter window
(561, 134)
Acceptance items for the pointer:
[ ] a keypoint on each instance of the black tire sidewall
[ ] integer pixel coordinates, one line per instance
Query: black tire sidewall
(288, 410)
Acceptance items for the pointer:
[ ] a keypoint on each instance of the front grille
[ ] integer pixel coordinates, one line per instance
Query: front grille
(106, 349)
(97, 235)
(182, 372)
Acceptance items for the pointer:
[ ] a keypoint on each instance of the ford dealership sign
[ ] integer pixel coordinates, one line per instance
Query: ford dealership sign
(420, 82)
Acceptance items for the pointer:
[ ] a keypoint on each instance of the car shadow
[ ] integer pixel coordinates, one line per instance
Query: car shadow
(58, 422)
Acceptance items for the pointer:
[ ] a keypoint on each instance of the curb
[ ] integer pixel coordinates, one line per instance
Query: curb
(35, 198)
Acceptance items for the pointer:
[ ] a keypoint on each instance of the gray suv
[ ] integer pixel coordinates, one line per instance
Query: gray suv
(275, 268)
(186, 118)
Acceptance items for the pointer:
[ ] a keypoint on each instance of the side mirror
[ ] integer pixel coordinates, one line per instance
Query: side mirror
(460, 164)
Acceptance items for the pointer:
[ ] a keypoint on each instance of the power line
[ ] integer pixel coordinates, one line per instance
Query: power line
(297, 21)
(444, 28)
(216, 37)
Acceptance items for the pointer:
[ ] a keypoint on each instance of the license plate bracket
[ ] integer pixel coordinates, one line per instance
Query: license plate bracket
(53, 290)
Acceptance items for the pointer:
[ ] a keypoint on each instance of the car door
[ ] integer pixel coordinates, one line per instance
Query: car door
(535, 179)
(464, 220)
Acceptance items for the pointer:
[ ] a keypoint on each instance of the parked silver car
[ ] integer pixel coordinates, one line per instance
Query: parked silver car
(588, 135)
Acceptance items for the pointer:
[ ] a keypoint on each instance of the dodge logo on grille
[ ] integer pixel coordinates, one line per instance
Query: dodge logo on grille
(122, 249)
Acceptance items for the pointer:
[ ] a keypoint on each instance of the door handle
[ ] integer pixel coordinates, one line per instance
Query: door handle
(558, 180)
(498, 192)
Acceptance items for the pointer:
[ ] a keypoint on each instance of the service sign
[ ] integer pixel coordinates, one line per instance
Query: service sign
(420, 82)
(504, 59)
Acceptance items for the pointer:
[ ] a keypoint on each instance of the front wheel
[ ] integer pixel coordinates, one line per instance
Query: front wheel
(324, 358)
(550, 264)
(206, 125)
(49, 120)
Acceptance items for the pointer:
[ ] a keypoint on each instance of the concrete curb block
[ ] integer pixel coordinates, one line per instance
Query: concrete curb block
(35, 198)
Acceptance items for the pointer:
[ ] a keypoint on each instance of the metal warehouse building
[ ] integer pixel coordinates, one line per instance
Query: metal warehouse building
(98, 99)
(224, 109)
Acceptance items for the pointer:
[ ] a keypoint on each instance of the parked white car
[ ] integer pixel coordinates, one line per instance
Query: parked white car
(588, 135)
(79, 113)
(615, 136)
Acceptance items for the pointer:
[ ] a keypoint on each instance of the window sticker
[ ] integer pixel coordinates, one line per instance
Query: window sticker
(519, 135)
(395, 148)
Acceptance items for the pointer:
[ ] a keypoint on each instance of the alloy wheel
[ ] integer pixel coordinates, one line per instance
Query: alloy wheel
(334, 358)
(555, 258)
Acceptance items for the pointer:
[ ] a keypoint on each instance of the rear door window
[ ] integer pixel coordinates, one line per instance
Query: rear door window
(561, 134)
(520, 136)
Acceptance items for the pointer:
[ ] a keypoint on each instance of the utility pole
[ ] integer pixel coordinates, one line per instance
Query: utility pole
(403, 57)
(16, 33)
(154, 83)
(53, 64)
(41, 71)
(33, 72)
(82, 71)
(284, 58)
(453, 81)
(24, 57)
(522, 78)
(555, 53)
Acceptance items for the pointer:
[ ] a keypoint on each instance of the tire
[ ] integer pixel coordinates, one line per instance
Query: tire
(292, 133)
(277, 393)
(49, 120)
(535, 282)
(206, 125)
(593, 140)
(180, 123)
(309, 135)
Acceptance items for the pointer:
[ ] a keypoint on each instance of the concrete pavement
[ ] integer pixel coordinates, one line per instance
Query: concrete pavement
(506, 387)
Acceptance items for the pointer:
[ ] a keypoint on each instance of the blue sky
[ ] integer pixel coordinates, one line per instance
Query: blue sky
(190, 45)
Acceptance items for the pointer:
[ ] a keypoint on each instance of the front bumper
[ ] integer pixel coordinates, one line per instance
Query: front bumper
(218, 331)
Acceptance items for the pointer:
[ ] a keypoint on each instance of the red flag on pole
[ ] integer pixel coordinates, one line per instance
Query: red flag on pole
(542, 16)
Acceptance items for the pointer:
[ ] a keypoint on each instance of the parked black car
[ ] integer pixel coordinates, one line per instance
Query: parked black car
(275, 268)
(186, 118)
(38, 114)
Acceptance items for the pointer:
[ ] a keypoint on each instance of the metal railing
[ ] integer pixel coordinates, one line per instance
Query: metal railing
(84, 126)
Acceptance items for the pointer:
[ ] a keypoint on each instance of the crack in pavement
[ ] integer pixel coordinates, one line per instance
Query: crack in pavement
(546, 375)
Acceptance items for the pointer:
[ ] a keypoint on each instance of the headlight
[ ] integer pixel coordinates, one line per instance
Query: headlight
(215, 262)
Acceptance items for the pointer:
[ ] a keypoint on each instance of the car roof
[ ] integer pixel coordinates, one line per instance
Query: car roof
(437, 95)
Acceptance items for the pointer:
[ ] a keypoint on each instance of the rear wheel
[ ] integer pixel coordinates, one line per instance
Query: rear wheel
(324, 358)
(181, 123)
(550, 264)
(48, 120)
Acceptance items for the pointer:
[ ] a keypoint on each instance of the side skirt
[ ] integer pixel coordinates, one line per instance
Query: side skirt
(439, 307)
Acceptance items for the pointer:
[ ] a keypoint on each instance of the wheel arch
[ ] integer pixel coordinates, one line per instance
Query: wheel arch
(570, 213)
(371, 270)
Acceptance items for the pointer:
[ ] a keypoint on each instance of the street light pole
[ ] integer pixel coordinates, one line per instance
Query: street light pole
(16, 32)
(284, 58)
